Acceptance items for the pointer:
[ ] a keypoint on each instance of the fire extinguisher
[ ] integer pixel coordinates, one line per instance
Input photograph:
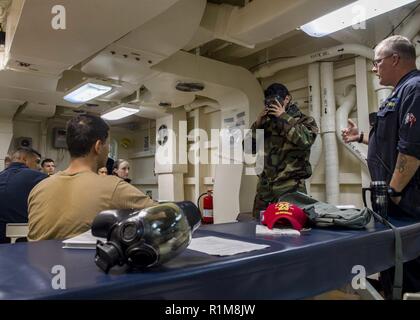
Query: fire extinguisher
(207, 213)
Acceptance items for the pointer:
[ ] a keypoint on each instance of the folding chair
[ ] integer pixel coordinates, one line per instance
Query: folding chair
(16, 231)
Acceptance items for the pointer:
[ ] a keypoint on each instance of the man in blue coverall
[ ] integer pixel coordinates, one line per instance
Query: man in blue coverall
(16, 182)
(394, 141)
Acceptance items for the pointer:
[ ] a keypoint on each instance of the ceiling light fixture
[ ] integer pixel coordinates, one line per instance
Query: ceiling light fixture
(87, 91)
(121, 111)
(352, 14)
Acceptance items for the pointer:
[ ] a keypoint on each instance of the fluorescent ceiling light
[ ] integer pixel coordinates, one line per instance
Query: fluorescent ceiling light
(121, 112)
(86, 92)
(352, 14)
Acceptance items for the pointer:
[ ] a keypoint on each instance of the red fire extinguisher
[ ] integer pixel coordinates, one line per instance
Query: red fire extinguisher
(207, 213)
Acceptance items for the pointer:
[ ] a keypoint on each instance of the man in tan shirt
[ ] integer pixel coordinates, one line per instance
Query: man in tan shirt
(65, 204)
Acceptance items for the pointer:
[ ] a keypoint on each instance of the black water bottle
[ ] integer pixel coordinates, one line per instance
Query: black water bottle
(378, 197)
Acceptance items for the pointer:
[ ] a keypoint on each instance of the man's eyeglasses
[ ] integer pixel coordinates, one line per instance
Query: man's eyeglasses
(378, 61)
(38, 161)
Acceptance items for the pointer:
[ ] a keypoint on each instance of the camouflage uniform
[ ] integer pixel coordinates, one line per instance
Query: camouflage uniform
(287, 144)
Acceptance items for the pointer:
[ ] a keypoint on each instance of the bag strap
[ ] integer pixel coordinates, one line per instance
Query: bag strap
(398, 275)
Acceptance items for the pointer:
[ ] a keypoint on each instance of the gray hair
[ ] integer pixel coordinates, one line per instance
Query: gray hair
(25, 152)
(400, 45)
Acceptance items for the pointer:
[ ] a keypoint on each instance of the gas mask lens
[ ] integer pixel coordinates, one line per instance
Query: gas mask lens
(130, 231)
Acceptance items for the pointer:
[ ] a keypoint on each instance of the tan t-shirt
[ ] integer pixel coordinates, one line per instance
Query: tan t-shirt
(65, 205)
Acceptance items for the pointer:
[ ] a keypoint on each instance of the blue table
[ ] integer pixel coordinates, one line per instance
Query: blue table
(292, 268)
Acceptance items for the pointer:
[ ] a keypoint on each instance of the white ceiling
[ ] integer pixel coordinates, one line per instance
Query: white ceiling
(149, 32)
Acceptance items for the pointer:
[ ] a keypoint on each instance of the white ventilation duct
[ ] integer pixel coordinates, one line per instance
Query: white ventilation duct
(332, 187)
(314, 97)
(236, 91)
(346, 105)
(38, 110)
(258, 21)
(382, 92)
(271, 69)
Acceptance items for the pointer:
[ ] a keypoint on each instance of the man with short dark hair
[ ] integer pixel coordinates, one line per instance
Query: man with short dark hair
(394, 141)
(65, 204)
(288, 138)
(48, 166)
(16, 182)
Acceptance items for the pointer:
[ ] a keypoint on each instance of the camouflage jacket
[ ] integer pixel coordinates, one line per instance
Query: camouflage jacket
(287, 145)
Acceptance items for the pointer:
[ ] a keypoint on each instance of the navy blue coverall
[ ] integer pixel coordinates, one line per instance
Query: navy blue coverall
(396, 128)
(16, 182)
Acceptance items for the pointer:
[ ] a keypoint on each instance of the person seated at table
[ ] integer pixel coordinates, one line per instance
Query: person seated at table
(121, 168)
(65, 204)
(16, 182)
(48, 166)
(103, 171)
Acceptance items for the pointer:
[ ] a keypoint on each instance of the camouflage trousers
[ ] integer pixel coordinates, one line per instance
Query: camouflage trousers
(270, 192)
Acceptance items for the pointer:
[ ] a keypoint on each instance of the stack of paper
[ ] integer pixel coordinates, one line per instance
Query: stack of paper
(223, 247)
(83, 241)
(276, 231)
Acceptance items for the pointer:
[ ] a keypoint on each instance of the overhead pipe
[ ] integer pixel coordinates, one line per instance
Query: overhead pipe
(410, 29)
(416, 42)
(257, 22)
(314, 98)
(381, 91)
(271, 69)
(346, 105)
(332, 187)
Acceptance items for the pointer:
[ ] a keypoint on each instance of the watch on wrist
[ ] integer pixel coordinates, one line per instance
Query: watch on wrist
(361, 135)
(393, 193)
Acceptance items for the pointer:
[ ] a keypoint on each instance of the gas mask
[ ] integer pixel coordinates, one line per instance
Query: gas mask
(144, 238)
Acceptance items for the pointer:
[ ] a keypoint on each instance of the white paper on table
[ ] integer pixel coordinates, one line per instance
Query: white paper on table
(83, 241)
(223, 247)
(276, 231)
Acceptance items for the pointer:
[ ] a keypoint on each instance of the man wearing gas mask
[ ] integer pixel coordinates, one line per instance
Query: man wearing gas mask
(394, 140)
(66, 204)
(288, 137)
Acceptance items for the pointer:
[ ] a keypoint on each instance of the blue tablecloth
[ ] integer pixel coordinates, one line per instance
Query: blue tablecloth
(291, 268)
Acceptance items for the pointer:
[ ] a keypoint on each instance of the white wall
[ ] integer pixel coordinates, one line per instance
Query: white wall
(141, 168)
(35, 130)
(141, 161)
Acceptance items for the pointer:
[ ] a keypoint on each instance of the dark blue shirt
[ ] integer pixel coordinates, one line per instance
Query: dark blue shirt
(397, 129)
(16, 182)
